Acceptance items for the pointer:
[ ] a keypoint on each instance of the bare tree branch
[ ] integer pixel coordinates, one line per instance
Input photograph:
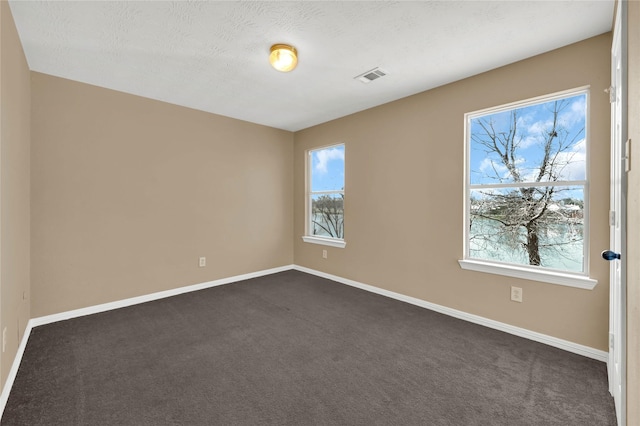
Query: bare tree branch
(526, 208)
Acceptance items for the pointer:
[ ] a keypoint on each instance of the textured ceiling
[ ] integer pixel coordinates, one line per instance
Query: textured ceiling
(212, 56)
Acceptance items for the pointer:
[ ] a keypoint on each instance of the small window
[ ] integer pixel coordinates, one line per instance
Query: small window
(526, 198)
(325, 196)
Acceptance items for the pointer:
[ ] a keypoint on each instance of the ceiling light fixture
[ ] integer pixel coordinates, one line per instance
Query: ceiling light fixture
(283, 57)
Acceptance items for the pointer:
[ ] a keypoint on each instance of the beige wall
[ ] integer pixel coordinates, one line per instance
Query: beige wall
(410, 152)
(128, 193)
(14, 187)
(633, 218)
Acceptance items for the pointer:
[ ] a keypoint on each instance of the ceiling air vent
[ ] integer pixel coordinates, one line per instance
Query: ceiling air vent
(371, 75)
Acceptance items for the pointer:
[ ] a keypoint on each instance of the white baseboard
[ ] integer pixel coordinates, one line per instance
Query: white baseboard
(48, 319)
(153, 296)
(4, 396)
(527, 334)
(497, 325)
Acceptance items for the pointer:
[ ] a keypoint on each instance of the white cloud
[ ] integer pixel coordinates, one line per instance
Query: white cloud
(539, 127)
(525, 139)
(327, 155)
(536, 131)
(574, 114)
(532, 130)
(569, 165)
(497, 170)
(574, 162)
(489, 168)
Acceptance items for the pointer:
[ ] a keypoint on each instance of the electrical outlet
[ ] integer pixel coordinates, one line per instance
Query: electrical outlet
(516, 294)
(324, 254)
(202, 262)
(4, 339)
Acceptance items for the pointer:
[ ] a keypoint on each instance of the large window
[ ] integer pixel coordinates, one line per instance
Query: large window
(325, 196)
(526, 198)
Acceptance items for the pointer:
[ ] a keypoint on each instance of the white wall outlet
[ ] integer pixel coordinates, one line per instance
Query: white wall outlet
(4, 339)
(516, 294)
(202, 262)
(324, 254)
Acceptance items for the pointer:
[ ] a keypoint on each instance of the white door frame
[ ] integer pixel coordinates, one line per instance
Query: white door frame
(616, 363)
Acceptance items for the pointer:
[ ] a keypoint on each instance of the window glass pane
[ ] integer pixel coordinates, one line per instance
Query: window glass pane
(327, 215)
(529, 226)
(543, 142)
(327, 169)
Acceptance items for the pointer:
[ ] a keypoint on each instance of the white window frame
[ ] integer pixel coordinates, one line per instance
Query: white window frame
(308, 237)
(552, 276)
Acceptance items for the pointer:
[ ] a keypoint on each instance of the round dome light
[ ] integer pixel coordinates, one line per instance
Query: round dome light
(283, 57)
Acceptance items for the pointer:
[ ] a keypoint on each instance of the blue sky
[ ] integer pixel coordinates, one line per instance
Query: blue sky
(533, 125)
(327, 169)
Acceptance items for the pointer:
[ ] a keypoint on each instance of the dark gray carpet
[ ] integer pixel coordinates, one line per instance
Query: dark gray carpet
(295, 349)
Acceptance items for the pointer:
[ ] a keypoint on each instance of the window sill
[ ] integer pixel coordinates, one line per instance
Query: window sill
(332, 242)
(551, 277)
